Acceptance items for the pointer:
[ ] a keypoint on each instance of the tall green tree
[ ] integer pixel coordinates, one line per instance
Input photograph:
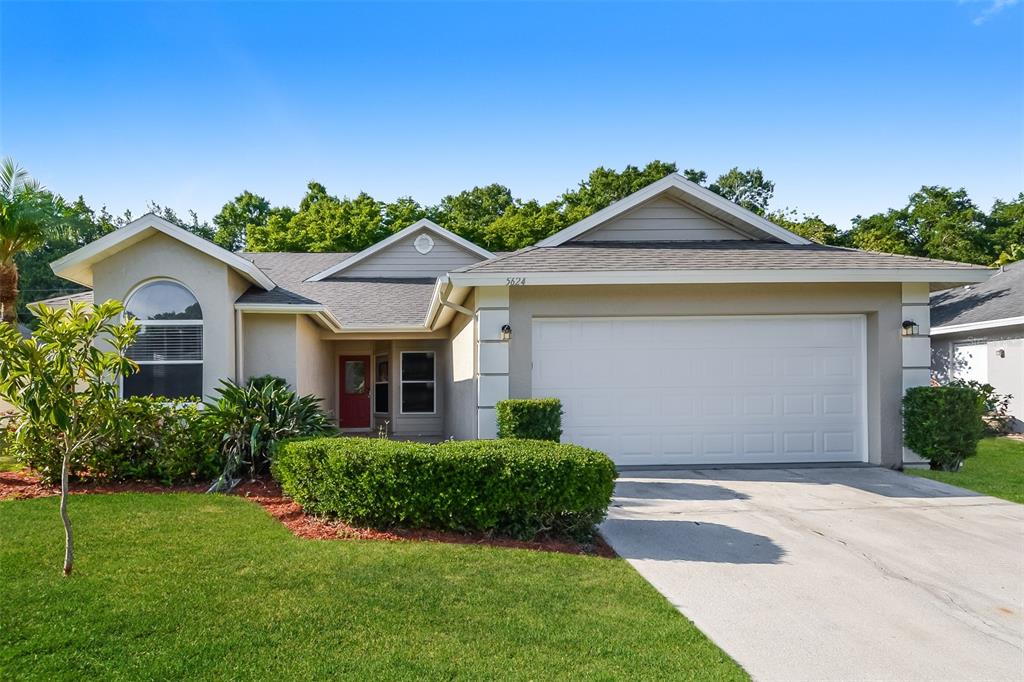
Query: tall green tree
(1005, 227)
(807, 226)
(29, 216)
(605, 186)
(470, 212)
(749, 188)
(237, 217)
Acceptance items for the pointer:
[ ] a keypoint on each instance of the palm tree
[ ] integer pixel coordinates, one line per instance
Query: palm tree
(28, 216)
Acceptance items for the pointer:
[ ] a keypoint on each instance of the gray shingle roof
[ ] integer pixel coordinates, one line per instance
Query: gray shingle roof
(726, 255)
(1000, 297)
(377, 302)
(66, 300)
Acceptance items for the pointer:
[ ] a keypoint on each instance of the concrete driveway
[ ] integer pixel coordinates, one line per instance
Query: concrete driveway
(833, 573)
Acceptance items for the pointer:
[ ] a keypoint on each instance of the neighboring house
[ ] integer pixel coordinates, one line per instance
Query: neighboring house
(675, 326)
(978, 334)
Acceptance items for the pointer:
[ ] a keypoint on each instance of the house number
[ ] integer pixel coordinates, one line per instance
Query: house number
(515, 281)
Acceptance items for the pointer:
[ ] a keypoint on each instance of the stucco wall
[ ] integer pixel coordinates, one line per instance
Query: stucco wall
(1006, 373)
(270, 343)
(460, 379)
(214, 285)
(314, 363)
(881, 303)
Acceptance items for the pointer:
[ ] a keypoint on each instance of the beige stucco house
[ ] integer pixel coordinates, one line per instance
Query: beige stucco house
(675, 326)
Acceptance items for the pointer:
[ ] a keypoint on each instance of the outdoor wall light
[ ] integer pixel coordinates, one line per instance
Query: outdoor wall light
(506, 332)
(910, 328)
(1001, 353)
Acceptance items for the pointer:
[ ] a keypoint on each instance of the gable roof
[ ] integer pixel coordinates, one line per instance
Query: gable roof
(398, 236)
(676, 186)
(995, 303)
(77, 266)
(710, 262)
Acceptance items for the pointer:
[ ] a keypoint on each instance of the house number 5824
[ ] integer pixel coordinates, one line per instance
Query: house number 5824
(515, 281)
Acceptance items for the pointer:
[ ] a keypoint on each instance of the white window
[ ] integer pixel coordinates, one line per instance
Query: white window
(381, 394)
(418, 382)
(169, 345)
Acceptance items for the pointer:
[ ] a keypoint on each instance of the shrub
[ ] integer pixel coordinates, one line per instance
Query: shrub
(534, 418)
(519, 488)
(250, 419)
(996, 412)
(143, 438)
(943, 424)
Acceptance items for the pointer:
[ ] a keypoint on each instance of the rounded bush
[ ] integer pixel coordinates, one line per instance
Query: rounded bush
(943, 424)
(533, 418)
(520, 488)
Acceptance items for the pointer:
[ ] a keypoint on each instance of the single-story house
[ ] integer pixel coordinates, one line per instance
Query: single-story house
(675, 326)
(978, 334)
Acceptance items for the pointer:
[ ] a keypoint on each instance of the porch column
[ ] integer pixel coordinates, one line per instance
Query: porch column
(491, 357)
(917, 350)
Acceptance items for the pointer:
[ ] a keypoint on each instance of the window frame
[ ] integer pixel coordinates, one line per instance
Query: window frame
(402, 382)
(167, 323)
(377, 381)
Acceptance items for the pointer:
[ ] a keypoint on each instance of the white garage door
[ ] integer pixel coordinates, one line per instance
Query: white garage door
(708, 390)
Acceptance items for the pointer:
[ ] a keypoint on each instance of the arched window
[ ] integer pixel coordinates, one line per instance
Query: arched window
(169, 346)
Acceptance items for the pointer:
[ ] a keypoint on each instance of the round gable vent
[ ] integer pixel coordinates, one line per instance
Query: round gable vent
(423, 244)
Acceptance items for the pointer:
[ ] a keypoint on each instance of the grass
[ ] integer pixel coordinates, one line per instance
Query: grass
(997, 470)
(192, 586)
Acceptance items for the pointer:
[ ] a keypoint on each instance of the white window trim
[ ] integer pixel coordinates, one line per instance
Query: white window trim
(376, 380)
(402, 382)
(167, 323)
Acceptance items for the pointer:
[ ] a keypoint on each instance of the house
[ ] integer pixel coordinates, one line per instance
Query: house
(978, 334)
(675, 326)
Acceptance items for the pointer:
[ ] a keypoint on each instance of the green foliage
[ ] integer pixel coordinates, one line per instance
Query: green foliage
(520, 488)
(747, 188)
(252, 418)
(807, 226)
(146, 439)
(238, 217)
(534, 418)
(943, 424)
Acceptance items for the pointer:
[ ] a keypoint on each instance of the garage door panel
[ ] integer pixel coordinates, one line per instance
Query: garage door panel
(707, 390)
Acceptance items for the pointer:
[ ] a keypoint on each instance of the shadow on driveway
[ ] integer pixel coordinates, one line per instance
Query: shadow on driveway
(668, 540)
(675, 490)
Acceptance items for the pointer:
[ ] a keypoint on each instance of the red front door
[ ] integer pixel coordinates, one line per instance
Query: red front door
(354, 401)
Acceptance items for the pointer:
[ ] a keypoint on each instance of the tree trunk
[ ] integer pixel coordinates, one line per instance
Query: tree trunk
(8, 292)
(69, 542)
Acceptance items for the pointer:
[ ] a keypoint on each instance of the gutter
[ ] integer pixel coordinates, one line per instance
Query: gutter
(443, 294)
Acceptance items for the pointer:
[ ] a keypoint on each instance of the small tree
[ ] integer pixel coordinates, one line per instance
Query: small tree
(64, 378)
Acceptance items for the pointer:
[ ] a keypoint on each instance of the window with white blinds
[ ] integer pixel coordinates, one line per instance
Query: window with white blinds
(169, 345)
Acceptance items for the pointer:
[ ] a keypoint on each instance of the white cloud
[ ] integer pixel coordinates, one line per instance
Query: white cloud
(993, 8)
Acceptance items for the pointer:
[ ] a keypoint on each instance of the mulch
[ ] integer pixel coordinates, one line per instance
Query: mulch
(19, 485)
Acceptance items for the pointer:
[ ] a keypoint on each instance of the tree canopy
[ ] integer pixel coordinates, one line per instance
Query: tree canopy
(937, 222)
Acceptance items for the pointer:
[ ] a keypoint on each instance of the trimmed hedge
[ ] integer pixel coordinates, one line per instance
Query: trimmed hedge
(519, 488)
(534, 418)
(943, 424)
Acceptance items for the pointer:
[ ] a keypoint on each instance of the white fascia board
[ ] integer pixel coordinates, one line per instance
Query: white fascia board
(719, 277)
(435, 302)
(75, 265)
(683, 185)
(316, 310)
(385, 243)
(977, 326)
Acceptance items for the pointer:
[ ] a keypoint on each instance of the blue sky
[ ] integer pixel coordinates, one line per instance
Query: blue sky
(847, 107)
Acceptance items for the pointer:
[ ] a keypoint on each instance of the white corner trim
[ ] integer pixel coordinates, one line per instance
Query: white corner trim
(976, 326)
(683, 185)
(720, 276)
(70, 265)
(385, 243)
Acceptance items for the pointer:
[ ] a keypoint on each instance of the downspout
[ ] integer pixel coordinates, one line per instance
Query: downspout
(239, 349)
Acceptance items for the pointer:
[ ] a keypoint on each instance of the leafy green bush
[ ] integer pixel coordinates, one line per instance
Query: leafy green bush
(943, 424)
(142, 438)
(519, 488)
(250, 419)
(534, 418)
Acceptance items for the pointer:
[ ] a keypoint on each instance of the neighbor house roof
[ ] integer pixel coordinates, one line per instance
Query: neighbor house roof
(66, 300)
(997, 302)
(354, 303)
(727, 261)
(77, 266)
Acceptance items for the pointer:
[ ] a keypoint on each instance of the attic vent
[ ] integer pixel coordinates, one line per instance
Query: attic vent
(423, 244)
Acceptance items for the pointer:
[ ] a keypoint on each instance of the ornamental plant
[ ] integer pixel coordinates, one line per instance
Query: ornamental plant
(63, 381)
(943, 424)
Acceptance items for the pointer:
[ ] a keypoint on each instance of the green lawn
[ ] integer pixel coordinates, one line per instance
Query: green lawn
(191, 586)
(997, 470)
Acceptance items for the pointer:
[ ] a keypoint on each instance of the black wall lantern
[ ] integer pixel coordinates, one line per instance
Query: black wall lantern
(506, 332)
(910, 328)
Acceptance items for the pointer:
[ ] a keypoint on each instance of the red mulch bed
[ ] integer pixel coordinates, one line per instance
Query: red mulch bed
(18, 485)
